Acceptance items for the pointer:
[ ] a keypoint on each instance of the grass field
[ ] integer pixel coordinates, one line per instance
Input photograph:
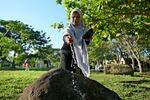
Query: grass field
(12, 83)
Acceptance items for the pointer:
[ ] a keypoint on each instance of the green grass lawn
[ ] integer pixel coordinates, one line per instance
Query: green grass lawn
(12, 83)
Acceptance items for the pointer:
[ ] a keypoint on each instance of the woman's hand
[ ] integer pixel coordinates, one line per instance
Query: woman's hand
(68, 39)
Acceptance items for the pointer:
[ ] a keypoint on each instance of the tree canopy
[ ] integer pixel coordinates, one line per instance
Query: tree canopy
(125, 21)
(20, 38)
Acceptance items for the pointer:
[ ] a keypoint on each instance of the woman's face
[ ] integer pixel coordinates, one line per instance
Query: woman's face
(75, 18)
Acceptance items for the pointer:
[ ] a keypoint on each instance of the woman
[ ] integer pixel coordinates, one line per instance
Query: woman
(74, 55)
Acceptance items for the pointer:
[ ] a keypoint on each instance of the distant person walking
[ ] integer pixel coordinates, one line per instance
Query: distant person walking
(26, 64)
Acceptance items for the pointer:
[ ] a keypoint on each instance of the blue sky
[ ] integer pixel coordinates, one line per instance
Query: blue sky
(37, 13)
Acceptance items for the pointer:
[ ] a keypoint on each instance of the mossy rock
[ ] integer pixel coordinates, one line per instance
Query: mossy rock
(118, 69)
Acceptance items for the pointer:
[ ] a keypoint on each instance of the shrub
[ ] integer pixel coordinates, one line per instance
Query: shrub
(118, 69)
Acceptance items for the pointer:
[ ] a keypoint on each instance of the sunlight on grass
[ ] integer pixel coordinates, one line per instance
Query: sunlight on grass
(127, 87)
(13, 82)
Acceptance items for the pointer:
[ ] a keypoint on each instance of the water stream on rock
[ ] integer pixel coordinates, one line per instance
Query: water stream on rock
(75, 84)
(76, 88)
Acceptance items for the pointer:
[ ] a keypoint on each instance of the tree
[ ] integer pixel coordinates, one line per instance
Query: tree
(20, 38)
(113, 18)
(48, 53)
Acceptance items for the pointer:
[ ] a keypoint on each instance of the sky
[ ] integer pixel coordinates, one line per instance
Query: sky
(40, 14)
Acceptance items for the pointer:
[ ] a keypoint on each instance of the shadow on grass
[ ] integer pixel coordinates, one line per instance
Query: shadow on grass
(136, 86)
(20, 69)
(144, 74)
(7, 98)
(136, 82)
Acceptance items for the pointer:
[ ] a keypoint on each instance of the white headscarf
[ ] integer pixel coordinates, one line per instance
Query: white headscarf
(79, 44)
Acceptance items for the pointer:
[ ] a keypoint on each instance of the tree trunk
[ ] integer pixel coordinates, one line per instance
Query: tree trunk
(13, 62)
(133, 64)
(139, 63)
(133, 51)
(0, 57)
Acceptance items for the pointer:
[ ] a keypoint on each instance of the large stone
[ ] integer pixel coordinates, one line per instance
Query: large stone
(62, 85)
